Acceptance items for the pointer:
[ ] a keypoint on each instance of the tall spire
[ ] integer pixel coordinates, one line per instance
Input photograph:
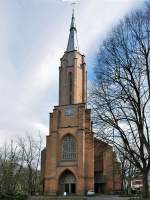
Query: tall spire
(72, 42)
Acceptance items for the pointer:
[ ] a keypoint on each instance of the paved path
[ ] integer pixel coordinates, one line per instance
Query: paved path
(107, 197)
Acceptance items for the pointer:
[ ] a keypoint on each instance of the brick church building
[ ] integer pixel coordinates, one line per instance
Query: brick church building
(74, 161)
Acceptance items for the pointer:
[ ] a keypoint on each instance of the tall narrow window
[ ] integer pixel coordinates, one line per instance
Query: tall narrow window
(68, 148)
(59, 118)
(70, 81)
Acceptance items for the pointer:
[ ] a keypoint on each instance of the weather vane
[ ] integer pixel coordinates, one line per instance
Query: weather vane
(73, 6)
(72, 2)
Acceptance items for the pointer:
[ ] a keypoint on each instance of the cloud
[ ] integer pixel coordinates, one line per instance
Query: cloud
(33, 38)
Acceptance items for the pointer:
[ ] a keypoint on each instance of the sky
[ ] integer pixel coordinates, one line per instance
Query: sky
(33, 38)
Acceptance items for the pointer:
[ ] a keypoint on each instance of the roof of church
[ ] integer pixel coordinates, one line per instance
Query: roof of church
(72, 41)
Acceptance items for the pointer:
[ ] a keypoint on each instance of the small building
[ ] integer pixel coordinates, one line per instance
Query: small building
(137, 183)
(74, 161)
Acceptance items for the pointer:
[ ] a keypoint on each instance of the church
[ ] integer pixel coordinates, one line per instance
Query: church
(74, 161)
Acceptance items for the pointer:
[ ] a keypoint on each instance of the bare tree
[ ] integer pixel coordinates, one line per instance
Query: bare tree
(31, 147)
(120, 95)
(10, 167)
(19, 165)
(128, 171)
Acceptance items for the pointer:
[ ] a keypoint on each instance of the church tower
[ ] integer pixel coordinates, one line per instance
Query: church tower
(68, 159)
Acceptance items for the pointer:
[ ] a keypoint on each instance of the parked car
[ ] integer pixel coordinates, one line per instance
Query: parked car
(90, 193)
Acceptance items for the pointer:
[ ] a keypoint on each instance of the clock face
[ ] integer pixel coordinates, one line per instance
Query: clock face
(69, 111)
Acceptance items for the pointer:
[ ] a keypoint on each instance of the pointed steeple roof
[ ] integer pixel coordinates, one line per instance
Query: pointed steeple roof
(72, 42)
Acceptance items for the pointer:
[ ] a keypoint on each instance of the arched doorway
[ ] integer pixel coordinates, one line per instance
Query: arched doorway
(67, 183)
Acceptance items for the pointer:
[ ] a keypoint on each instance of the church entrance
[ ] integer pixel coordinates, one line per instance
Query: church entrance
(67, 183)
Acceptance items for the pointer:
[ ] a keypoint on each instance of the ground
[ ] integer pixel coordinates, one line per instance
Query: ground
(107, 197)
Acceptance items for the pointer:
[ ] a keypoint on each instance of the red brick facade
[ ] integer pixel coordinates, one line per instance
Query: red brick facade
(88, 164)
(106, 168)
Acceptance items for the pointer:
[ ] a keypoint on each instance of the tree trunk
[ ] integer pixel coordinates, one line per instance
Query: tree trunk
(145, 183)
(30, 179)
(122, 183)
(129, 185)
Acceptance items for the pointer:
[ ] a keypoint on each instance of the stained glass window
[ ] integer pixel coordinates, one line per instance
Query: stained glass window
(69, 148)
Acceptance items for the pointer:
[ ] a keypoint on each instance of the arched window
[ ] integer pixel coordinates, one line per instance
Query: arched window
(69, 148)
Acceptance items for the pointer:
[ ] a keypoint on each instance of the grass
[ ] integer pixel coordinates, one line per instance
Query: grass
(137, 198)
(146, 199)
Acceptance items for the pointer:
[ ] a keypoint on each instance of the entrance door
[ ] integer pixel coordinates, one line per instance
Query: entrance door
(73, 188)
(67, 188)
(70, 188)
(68, 183)
(99, 188)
